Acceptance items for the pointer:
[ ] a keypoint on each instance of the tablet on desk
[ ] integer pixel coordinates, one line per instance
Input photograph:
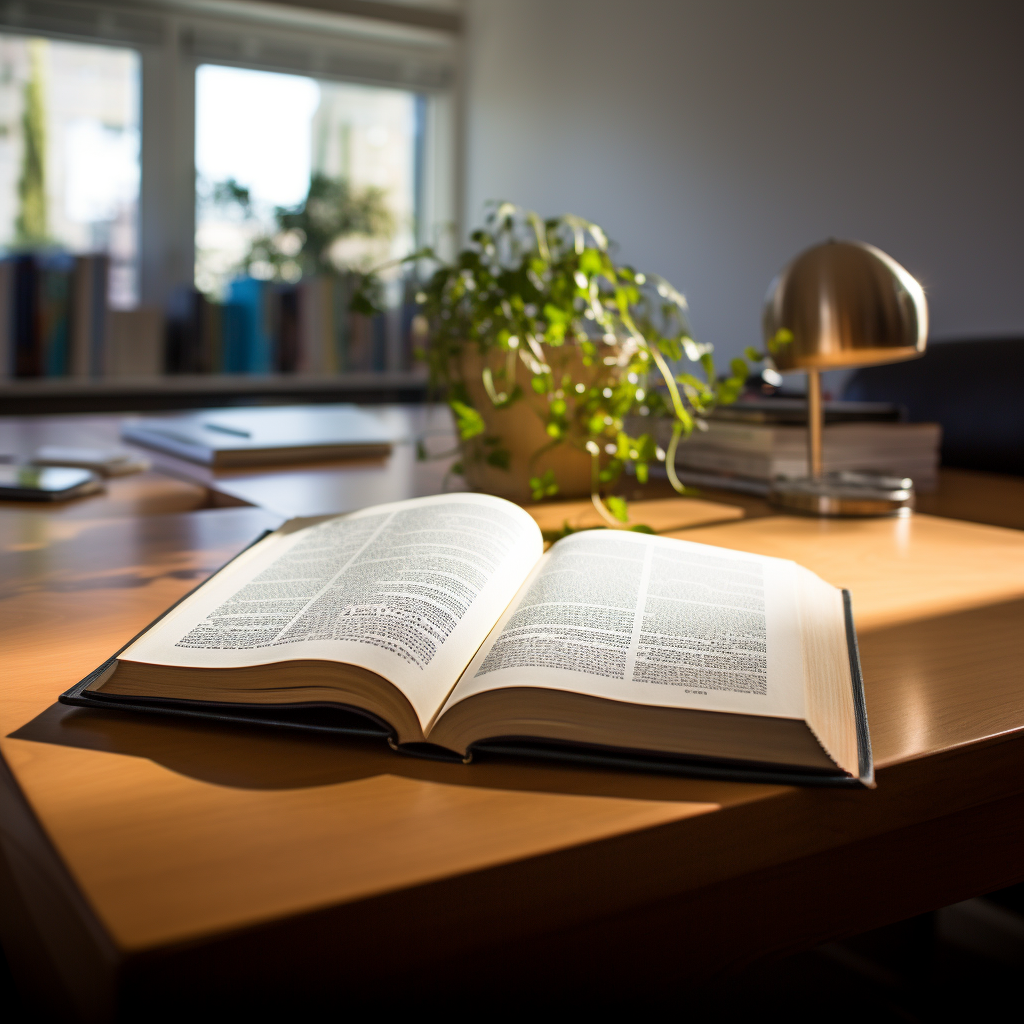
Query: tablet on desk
(228, 438)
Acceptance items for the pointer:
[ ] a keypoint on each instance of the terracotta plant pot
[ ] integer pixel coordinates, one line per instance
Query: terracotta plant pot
(521, 428)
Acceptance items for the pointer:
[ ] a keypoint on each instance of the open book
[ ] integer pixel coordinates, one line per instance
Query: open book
(444, 626)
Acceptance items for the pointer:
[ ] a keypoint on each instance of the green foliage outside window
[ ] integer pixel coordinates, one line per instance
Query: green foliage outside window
(301, 243)
(30, 226)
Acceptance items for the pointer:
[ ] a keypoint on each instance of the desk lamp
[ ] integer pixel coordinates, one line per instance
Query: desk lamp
(845, 304)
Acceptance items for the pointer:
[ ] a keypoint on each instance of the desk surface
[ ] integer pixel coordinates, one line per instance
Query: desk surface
(168, 846)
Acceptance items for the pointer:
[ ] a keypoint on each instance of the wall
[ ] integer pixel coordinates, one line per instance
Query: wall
(715, 139)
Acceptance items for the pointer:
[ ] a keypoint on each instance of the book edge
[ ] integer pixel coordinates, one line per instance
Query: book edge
(244, 457)
(622, 759)
(237, 714)
(865, 762)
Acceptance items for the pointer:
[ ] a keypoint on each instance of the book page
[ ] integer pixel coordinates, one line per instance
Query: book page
(654, 621)
(408, 590)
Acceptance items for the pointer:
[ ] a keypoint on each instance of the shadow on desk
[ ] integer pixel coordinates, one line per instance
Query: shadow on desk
(258, 757)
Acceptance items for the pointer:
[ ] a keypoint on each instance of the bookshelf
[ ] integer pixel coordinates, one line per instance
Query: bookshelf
(179, 391)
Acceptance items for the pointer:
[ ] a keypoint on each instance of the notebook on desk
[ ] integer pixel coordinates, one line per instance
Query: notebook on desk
(227, 438)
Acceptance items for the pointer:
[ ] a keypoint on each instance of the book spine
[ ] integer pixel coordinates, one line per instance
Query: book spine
(309, 326)
(766, 466)
(269, 322)
(330, 340)
(25, 319)
(344, 334)
(197, 338)
(200, 322)
(56, 281)
(379, 348)
(183, 328)
(213, 339)
(409, 310)
(80, 342)
(100, 282)
(234, 332)
(6, 319)
(749, 438)
(288, 329)
(257, 354)
(262, 359)
(362, 336)
(87, 315)
(754, 465)
(793, 439)
(135, 342)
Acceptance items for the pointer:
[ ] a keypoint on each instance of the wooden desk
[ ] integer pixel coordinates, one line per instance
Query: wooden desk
(139, 850)
(978, 497)
(142, 852)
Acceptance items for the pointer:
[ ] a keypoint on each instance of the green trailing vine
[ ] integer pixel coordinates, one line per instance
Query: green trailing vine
(599, 342)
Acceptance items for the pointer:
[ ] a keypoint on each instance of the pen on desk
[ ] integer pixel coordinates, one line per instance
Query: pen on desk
(227, 430)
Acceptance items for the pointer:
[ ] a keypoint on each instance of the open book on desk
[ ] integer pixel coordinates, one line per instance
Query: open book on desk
(440, 623)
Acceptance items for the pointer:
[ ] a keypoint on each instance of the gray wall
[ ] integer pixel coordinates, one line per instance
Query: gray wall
(714, 139)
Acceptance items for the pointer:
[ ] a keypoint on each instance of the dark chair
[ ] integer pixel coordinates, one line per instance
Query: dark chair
(975, 389)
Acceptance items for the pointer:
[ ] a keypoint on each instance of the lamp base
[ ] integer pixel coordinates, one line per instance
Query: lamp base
(845, 494)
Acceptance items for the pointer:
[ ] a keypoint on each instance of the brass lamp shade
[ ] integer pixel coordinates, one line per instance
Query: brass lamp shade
(842, 304)
(846, 304)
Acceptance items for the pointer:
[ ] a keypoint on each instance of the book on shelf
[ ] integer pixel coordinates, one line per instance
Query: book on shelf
(26, 339)
(133, 346)
(260, 303)
(55, 323)
(333, 339)
(226, 438)
(7, 343)
(272, 327)
(441, 625)
(323, 324)
(52, 314)
(89, 323)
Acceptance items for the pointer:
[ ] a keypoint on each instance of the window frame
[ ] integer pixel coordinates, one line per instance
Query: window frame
(173, 37)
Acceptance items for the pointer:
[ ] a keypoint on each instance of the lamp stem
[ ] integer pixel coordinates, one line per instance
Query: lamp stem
(814, 420)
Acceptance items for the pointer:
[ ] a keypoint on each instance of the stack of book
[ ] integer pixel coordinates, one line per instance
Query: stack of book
(747, 445)
(267, 327)
(53, 309)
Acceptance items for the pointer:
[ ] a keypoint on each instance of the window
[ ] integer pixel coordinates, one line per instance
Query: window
(69, 152)
(176, 147)
(267, 142)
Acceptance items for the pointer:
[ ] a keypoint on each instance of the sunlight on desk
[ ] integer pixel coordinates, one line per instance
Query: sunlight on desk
(661, 515)
(897, 570)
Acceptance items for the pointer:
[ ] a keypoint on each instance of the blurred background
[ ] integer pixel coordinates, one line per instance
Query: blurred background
(188, 189)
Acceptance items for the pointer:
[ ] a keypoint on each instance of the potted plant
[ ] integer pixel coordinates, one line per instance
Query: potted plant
(544, 346)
